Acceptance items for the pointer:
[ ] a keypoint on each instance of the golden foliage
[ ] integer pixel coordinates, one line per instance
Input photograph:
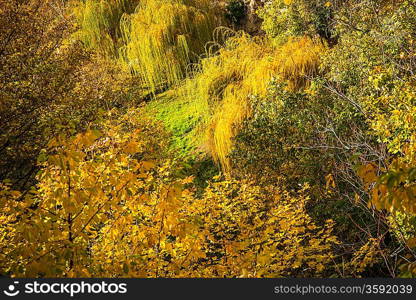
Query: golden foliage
(85, 179)
(392, 187)
(392, 118)
(224, 82)
(242, 69)
(105, 207)
(39, 68)
(235, 230)
(368, 255)
(99, 22)
(110, 201)
(300, 60)
(264, 232)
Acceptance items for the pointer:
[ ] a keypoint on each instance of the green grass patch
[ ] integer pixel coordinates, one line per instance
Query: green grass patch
(183, 118)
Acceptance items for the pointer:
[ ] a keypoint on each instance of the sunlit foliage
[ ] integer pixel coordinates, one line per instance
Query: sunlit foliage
(84, 182)
(230, 232)
(241, 70)
(300, 60)
(38, 71)
(225, 82)
(286, 18)
(392, 120)
(100, 210)
(99, 22)
(143, 138)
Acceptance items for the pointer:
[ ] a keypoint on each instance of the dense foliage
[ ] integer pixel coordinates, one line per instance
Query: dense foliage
(150, 138)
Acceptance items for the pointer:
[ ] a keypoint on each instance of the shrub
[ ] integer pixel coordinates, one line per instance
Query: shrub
(286, 18)
(225, 82)
(243, 69)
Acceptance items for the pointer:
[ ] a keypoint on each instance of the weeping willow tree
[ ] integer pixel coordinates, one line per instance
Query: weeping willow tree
(242, 69)
(299, 59)
(164, 36)
(99, 23)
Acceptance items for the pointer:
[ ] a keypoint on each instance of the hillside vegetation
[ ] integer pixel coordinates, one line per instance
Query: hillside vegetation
(197, 138)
